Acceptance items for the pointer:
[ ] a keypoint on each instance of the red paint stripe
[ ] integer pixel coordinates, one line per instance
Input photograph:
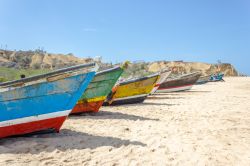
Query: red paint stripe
(87, 107)
(173, 87)
(25, 128)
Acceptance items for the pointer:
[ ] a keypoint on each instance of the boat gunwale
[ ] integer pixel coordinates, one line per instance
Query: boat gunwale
(138, 79)
(183, 77)
(108, 70)
(52, 73)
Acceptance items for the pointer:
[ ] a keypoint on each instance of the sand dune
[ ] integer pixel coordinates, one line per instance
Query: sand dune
(209, 125)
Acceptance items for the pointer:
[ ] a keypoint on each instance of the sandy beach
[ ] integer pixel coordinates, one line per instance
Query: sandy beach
(209, 125)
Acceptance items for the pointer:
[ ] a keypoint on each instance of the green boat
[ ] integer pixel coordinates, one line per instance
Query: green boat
(97, 91)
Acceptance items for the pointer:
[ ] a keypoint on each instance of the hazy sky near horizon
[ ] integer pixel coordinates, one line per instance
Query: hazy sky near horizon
(118, 30)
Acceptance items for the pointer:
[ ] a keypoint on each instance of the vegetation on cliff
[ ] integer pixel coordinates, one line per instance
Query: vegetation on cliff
(7, 74)
(15, 63)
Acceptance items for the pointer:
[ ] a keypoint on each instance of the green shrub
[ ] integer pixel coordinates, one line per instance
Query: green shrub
(9, 74)
(3, 79)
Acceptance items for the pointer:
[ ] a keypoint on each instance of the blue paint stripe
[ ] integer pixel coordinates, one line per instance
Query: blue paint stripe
(43, 98)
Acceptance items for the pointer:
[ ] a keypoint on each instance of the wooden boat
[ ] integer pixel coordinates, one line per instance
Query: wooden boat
(181, 83)
(163, 76)
(216, 77)
(42, 102)
(97, 91)
(132, 91)
(203, 79)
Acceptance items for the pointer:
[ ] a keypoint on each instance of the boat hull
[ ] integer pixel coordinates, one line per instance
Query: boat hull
(97, 91)
(129, 100)
(87, 107)
(216, 78)
(164, 75)
(33, 126)
(131, 92)
(180, 84)
(175, 89)
(40, 105)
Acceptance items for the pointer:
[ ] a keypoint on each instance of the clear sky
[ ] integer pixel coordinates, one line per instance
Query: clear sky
(118, 30)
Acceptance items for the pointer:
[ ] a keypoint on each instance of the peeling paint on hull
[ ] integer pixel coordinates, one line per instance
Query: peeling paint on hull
(41, 105)
(133, 91)
(87, 107)
(30, 127)
(97, 91)
(182, 83)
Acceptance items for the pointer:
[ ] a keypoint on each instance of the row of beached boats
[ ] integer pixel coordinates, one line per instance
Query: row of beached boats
(44, 101)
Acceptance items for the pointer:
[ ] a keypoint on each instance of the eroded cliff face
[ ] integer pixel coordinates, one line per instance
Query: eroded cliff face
(42, 60)
(38, 60)
(187, 67)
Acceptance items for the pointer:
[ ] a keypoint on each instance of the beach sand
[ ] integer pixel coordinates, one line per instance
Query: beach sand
(209, 125)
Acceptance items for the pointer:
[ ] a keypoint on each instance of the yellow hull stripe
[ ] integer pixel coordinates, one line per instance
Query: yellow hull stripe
(136, 88)
(100, 98)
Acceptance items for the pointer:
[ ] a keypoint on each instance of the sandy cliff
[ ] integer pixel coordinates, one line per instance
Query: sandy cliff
(186, 67)
(39, 59)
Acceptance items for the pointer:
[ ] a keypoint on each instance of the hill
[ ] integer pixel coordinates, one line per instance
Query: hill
(38, 59)
(187, 67)
(15, 63)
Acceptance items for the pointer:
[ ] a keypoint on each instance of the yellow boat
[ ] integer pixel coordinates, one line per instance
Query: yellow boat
(132, 91)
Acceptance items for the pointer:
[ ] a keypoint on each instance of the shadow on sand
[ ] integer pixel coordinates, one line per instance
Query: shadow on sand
(167, 94)
(166, 104)
(180, 93)
(63, 141)
(197, 91)
(109, 115)
(148, 103)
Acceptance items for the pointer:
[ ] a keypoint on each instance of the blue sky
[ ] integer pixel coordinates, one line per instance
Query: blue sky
(118, 30)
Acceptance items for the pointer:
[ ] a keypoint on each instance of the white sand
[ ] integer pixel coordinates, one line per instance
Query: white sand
(208, 126)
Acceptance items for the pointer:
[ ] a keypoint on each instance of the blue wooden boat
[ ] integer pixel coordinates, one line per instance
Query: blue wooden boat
(216, 77)
(42, 102)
